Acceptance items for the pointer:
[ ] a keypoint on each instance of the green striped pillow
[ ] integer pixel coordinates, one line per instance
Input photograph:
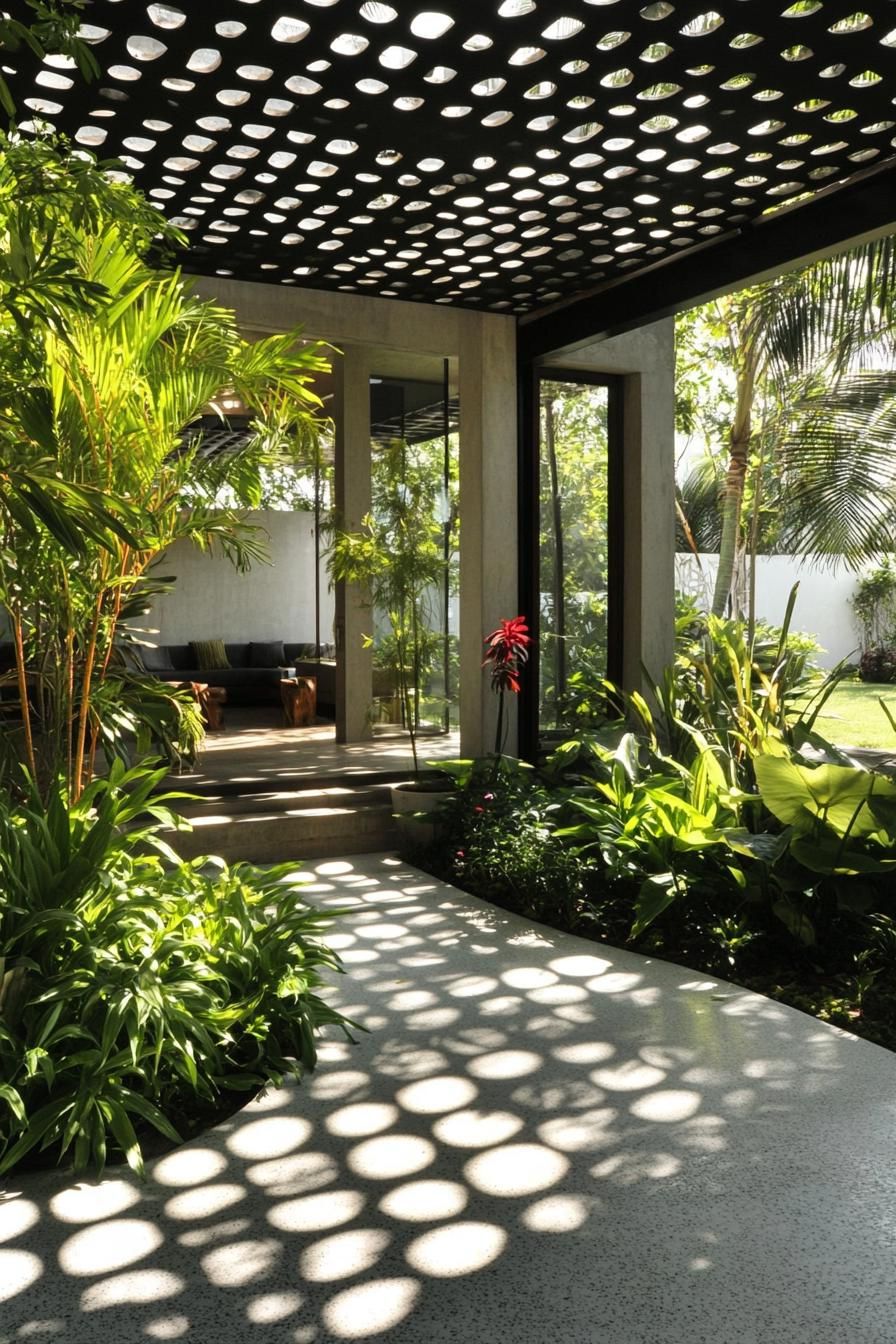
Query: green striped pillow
(208, 654)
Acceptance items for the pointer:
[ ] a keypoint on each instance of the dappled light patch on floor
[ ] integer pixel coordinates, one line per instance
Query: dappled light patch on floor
(256, 749)
(538, 1139)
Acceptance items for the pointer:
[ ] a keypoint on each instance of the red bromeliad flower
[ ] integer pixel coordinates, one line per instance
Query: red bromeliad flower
(510, 640)
(507, 649)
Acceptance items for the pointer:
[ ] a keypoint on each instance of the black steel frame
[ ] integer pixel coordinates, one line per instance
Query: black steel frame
(834, 219)
(530, 376)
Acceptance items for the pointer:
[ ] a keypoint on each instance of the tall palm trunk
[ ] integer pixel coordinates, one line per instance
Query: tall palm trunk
(735, 478)
(559, 555)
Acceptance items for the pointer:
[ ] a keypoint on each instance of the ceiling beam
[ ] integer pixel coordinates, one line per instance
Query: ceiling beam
(840, 217)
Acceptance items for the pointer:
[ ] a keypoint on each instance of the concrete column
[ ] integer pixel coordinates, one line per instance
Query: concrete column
(489, 585)
(649, 522)
(646, 360)
(354, 617)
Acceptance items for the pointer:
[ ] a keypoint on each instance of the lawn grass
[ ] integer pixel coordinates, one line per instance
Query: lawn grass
(852, 716)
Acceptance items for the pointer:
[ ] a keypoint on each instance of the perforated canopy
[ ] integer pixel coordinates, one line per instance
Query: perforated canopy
(503, 154)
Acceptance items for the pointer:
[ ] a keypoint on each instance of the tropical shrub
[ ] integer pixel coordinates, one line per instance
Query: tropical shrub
(878, 664)
(721, 679)
(723, 833)
(736, 696)
(138, 992)
(659, 826)
(497, 837)
(874, 603)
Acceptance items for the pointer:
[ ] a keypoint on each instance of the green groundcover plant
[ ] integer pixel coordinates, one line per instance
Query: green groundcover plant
(136, 990)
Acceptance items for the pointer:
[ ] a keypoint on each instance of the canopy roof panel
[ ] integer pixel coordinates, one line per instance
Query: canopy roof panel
(506, 155)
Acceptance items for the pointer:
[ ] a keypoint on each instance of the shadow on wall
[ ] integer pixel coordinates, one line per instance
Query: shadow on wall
(539, 1138)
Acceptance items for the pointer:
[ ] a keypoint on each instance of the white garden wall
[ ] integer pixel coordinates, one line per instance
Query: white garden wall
(211, 600)
(822, 605)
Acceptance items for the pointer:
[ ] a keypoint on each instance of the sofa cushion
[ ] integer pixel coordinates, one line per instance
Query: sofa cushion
(237, 654)
(268, 653)
(180, 656)
(209, 654)
(156, 658)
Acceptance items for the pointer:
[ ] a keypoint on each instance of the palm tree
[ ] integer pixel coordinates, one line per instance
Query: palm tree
(815, 349)
(105, 362)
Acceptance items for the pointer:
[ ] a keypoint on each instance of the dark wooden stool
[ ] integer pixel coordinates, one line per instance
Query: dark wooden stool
(298, 695)
(212, 701)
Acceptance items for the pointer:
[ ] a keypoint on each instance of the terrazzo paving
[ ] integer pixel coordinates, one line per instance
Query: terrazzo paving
(540, 1140)
(255, 750)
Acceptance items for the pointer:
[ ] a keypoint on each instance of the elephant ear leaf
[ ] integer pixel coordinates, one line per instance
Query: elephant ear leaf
(839, 796)
(767, 848)
(828, 853)
(883, 809)
(795, 921)
(784, 791)
(821, 749)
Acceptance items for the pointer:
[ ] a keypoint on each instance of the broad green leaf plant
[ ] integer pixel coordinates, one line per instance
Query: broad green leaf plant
(136, 990)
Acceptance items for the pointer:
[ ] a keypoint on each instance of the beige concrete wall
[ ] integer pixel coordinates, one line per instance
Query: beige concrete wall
(383, 335)
(354, 668)
(645, 359)
(489, 550)
(346, 319)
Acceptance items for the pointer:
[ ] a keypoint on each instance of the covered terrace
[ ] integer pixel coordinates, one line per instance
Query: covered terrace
(529, 192)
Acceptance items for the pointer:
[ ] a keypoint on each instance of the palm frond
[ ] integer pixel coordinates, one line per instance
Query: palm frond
(839, 470)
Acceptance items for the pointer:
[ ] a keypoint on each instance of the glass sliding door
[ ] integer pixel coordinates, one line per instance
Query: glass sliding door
(576, 527)
(414, 493)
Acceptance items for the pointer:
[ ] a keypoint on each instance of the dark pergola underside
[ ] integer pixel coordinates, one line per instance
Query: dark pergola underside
(506, 156)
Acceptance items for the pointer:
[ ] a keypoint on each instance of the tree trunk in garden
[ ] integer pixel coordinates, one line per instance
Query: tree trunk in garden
(738, 461)
(559, 563)
(754, 542)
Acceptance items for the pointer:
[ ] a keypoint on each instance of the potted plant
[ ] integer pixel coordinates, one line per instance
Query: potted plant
(507, 652)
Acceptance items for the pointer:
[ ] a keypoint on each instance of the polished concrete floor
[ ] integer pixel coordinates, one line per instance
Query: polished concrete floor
(539, 1139)
(255, 751)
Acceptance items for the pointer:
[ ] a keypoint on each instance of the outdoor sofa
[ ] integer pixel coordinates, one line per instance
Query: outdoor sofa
(252, 672)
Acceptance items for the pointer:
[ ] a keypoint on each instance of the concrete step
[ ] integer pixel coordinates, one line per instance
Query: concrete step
(276, 827)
